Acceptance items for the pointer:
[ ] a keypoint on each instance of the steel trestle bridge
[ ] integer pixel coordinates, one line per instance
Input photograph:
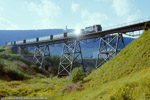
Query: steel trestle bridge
(111, 42)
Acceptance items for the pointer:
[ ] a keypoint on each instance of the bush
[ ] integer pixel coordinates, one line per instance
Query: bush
(37, 69)
(26, 51)
(1, 49)
(146, 26)
(15, 74)
(34, 67)
(88, 70)
(14, 57)
(52, 63)
(76, 75)
(47, 63)
(10, 57)
(1, 67)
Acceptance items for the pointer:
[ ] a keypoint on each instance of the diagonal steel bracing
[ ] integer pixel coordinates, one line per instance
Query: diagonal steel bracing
(36, 54)
(109, 46)
(70, 54)
(40, 53)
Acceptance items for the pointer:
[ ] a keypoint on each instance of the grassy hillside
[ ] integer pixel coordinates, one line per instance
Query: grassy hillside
(125, 77)
(15, 67)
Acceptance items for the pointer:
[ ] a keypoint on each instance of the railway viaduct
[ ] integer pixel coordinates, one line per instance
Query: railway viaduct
(111, 42)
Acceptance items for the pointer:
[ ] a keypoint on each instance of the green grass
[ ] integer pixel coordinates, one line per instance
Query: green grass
(125, 77)
(47, 87)
(15, 67)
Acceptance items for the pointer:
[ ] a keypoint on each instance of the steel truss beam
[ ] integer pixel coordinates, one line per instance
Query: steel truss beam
(90, 40)
(109, 46)
(134, 33)
(70, 53)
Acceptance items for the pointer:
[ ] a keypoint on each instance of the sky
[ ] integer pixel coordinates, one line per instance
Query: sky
(56, 14)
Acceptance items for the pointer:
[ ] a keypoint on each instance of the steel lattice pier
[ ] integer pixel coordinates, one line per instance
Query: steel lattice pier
(70, 54)
(109, 46)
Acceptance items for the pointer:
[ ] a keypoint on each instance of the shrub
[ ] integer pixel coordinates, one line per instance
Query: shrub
(34, 67)
(1, 49)
(1, 67)
(76, 75)
(26, 51)
(146, 26)
(88, 70)
(47, 63)
(14, 57)
(37, 69)
(10, 57)
(15, 74)
(52, 63)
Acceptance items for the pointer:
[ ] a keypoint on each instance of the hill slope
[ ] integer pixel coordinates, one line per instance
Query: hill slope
(125, 77)
(15, 67)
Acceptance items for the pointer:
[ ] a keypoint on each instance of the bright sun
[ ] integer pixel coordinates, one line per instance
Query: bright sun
(77, 31)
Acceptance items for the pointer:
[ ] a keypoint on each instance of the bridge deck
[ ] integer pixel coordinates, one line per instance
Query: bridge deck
(123, 30)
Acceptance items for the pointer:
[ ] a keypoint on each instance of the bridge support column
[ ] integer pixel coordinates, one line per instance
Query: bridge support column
(70, 53)
(109, 46)
(40, 53)
(19, 50)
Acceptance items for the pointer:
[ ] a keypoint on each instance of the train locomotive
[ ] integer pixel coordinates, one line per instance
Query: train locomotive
(87, 30)
(94, 28)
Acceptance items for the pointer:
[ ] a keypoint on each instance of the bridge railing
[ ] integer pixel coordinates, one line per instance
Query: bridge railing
(126, 24)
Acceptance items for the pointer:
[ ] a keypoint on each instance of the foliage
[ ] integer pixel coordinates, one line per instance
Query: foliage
(47, 63)
(2, 49)
(26, 51)
(124, 77)
(52, 63)
(1, 67)
(10, 57)
(15, 74)
(34, 67)
(37, 69)
(90, 64)
(13, 57)
(88, 70)
(35, 87)
(15, 67)
(76, 75)
(146, 26)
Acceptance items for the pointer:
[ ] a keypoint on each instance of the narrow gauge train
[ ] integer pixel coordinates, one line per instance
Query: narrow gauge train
(94, 28)
(87, 30)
